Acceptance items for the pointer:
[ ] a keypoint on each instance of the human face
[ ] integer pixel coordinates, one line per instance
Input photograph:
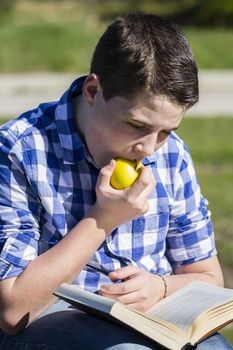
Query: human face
(129, 129)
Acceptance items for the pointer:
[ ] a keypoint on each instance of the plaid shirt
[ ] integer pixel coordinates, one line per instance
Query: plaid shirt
(47, 184)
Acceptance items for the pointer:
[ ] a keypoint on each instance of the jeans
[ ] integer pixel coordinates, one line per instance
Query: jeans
(64, 328)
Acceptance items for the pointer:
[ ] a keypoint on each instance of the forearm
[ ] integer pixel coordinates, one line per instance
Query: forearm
(208, 271)
(32, 291)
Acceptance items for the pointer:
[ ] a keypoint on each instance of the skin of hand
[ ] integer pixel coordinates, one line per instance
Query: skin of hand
(140, 289)
(126, 204)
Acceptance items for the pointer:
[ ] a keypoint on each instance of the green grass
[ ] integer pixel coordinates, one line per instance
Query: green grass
(42, 46)
(47, 36)
(210, 139)
(228, 333)
(212, 47)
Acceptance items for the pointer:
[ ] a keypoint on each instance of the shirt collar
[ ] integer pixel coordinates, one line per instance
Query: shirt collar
(74, 150)
(150, 159)
(157, 154)
(165, 149)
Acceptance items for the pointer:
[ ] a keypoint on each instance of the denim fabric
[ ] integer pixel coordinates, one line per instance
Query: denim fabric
(63, 328)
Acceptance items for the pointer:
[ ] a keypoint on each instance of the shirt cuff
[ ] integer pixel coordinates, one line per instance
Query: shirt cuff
(8, 270)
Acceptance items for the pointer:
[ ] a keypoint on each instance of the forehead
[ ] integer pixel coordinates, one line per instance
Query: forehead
(151, 110)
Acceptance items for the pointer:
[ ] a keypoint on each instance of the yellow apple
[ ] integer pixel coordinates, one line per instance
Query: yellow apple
(126, 172)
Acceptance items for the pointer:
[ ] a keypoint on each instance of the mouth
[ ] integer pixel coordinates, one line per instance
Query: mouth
(135, 160)
(139, 160)
(137, 163)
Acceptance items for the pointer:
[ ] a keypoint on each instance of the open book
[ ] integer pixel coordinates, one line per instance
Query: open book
(178, 322)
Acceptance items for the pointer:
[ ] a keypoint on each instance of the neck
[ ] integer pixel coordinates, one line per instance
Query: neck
(79, 114)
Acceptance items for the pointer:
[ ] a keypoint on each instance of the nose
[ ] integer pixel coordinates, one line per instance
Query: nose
(145, 147)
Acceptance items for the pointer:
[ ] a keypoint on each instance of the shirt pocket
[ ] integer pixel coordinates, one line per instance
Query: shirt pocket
(146, 237)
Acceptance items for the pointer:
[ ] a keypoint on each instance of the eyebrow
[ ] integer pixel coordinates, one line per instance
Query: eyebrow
(150, 126)
(142, 122)
(175, 128)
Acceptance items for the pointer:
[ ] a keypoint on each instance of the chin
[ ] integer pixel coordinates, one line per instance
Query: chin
(100, 163)
(103, 162)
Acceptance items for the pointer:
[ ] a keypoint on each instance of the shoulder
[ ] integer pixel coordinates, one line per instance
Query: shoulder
(174, 152)
(27, 126)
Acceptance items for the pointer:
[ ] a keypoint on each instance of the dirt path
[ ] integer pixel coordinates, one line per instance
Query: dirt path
(20, 92)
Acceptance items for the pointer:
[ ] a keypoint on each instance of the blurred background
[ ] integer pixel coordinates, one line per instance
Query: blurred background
(45, 44)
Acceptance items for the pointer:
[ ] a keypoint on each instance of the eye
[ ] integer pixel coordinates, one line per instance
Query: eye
(163, 135)
(137, 126)
(166, 132)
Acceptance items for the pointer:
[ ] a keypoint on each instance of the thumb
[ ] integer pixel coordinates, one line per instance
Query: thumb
(106, 173)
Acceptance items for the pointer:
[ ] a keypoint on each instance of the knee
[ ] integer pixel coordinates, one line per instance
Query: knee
(130, 346)
(215, 342)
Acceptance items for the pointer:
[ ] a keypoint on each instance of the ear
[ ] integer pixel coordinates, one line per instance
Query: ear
(90, 87)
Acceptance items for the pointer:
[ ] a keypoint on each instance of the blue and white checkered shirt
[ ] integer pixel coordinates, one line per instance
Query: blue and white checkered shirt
(47, 184)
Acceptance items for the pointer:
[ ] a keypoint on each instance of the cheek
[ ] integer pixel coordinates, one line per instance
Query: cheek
(100, 139)
(107, 133)
(96, 134)
(120, 140)
(109, 139)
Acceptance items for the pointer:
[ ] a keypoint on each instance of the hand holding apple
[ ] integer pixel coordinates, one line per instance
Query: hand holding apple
(113, 207)
(126, 172)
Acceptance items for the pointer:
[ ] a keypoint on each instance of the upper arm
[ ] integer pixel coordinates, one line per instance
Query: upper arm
(19, 213)
(190, 237)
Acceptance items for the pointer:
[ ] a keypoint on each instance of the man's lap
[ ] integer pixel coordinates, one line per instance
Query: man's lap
(64, 328)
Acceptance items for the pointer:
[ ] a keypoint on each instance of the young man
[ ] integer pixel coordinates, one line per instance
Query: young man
(61, 221)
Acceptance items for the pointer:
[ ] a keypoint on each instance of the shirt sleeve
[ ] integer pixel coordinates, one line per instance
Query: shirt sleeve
(19, 211)
(190, 237)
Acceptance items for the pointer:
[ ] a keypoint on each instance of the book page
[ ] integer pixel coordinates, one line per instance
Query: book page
(183, 307)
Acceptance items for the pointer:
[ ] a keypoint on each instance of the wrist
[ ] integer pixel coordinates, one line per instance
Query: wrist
(163, 282)
(102, 219)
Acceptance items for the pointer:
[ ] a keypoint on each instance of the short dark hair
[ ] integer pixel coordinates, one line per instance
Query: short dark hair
(144, 52)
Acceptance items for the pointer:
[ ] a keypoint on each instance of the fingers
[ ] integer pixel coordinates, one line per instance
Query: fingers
(139, 290)
(127, 299)
(129, 292)
(129, 274)
(133, 300)
(105, 174)
(126, 204)
(124, 273)
(139, 193)
(145, 184)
